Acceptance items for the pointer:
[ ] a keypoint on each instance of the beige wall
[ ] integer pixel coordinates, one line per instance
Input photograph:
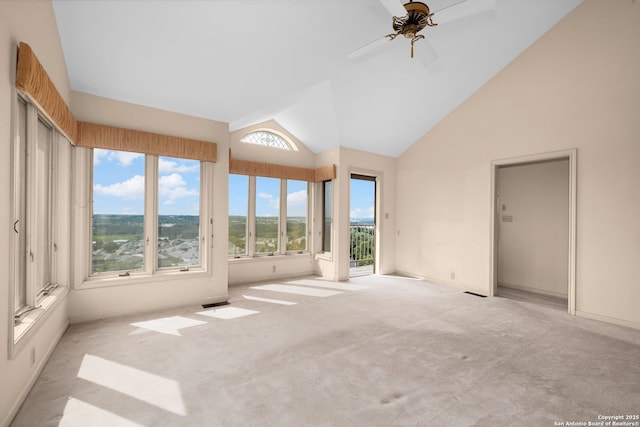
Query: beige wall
(574, 88)
(533, 247)
(91, 303)
(257, 269)
(326, 265)
(32, 22)
(383, 167)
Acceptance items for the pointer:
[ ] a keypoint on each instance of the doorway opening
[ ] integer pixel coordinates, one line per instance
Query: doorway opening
(534, 220)
(362, 225)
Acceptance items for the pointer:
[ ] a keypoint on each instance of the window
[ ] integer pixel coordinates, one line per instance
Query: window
(147, 213)
(37, 215)
(268, 139)
(178, 213)
(118, 211)
(33, 226)
(41, 216)
(20, 172)
(326, 213)
(238, 214)
(267, 215)
(297, 205)
(261, 221)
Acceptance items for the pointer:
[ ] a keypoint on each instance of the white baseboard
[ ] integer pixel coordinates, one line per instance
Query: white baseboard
(34, 376)
(607, 319)
(82, 318)
(533, 290)
(453, 284)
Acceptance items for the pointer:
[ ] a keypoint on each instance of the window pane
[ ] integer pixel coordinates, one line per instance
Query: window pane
(326, 225)
(296, 215)
(21, 174)
(178, 212)
(267, 139)
(42, 210)
(238, 209)
(267, 214)
(118, 211)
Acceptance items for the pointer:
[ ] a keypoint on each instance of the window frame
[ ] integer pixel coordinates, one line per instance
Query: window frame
(86, 279)
(146, 268)
(282, 223)
(323, 215)
(26, 266)
(278, 250)
(284, 140)
(156, 228)
(246, 224)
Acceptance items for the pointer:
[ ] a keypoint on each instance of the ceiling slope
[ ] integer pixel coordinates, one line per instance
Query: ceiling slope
(247, 61)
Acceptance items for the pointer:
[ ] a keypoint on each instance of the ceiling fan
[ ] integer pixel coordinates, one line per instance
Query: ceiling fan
(410, 18)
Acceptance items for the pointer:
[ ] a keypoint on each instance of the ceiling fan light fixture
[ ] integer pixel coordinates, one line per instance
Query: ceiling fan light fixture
(417, 18)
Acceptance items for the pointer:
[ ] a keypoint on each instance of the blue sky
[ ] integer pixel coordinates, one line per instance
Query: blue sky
(268, 189)
(118, 187)
(363, 194)
(118, 184)
(267, 196)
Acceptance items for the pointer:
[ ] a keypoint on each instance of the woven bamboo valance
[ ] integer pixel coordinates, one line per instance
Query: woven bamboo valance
(270, 170)
(34, 82)
(325, 173)
(113, 138)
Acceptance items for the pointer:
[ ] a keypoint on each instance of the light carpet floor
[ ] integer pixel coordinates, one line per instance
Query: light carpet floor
(373, 351)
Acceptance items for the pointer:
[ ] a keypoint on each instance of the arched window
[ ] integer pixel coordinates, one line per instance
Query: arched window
(268, 138)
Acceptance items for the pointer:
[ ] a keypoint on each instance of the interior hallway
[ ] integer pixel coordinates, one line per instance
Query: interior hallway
(376, 350)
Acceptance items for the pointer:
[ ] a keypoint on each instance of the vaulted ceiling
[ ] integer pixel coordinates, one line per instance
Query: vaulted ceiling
(247, 61)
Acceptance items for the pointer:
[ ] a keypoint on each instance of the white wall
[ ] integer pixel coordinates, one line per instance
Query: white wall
(574, 88)
(269, 268)
(533, 247)
(90, 302)
(32, 22)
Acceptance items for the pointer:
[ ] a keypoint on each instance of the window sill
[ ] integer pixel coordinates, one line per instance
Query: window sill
(137, 278)
(267, 258)
(324, 256)
(33, 320)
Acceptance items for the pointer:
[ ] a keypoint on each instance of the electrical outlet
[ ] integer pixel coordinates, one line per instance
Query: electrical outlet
(32, 356)
(453, 275)
(273, 268)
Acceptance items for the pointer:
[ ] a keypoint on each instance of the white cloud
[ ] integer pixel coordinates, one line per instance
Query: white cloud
(265, 196)
(133, 188)
(297, 198)
(99, 153)
(297, 203)
(166, 166)
(124, 158)
(172, 187)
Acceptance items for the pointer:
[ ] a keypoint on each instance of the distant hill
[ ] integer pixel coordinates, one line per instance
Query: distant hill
(362, 221)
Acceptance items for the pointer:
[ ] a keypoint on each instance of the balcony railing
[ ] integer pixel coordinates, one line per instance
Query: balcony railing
(362, 244)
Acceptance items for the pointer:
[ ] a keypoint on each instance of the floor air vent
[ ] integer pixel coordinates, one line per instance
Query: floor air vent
(474, 294)
(215, 304)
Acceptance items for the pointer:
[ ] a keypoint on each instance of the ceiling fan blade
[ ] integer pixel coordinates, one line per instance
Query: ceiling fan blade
(367, 48)
(424, 53)
(463, 9)
(395, 7)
